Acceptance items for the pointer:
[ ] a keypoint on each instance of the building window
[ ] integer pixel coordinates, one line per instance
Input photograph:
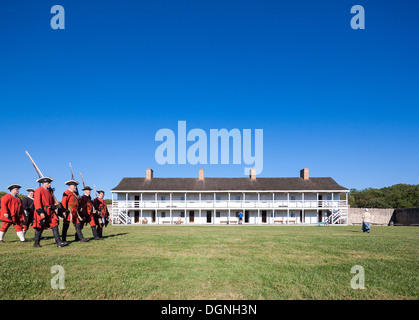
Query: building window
(163, 198)
(293, 198)
(218, 214)
(163, 214)
(328, 197)
(237, 197)
(217, 198)
(292, 214)
(182, 214)
(182, 198)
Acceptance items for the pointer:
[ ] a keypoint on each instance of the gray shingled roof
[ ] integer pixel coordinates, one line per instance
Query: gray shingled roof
(194, 184)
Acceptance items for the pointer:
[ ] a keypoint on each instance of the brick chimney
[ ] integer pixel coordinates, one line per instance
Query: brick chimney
(149, 174)
(253, 174)
(304, 173)
(201, 174)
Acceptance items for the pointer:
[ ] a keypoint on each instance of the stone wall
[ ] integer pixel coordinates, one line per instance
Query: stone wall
(404, 217)
(378, 216)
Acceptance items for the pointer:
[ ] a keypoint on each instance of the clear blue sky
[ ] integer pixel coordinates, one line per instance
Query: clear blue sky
(342, 102)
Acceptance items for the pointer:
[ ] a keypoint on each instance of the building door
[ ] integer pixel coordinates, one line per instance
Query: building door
(246, 217)
(263, 216)
(136, 204)
(301, 216)
(191, 216)
(153, 216)
(320, 200)
(320, 216)
(136, 216)
(209, 217)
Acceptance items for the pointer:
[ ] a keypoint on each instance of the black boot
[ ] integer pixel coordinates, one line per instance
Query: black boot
(79, 234)
(57, 237)
(94, 231)
(37, 238)
(100, 233)
(64, 233)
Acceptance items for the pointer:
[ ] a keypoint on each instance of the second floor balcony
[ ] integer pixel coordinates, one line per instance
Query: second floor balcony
(227, 204)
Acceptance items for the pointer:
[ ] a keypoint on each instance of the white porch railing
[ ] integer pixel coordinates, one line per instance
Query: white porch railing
(233, 204)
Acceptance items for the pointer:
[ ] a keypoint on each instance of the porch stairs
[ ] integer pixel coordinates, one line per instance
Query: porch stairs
(123, 217)
(338, 216)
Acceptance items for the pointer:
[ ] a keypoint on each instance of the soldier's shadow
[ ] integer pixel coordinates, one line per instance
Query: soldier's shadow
(114, 235)
(104, 237)
(46, 238)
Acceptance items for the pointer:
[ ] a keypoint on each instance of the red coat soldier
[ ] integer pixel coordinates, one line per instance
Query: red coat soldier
(45, 215)
(11, 212)
(87, 210)
(70, 204)
(102, 210)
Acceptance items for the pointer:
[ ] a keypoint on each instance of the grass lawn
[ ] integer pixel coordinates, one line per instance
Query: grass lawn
(216, 262)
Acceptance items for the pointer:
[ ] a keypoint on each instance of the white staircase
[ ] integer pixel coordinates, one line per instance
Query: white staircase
(338, 216)
(119, 215)
(123, 217)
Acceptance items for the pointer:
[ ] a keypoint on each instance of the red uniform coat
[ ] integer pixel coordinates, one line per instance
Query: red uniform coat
(70, 204)
(43, 201)
(101, 207)
(12, 206)
(86, 205)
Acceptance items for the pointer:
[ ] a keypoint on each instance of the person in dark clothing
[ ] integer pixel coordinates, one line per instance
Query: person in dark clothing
(28, 208)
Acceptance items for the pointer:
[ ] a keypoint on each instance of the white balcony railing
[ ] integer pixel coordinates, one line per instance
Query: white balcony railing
(232, 204)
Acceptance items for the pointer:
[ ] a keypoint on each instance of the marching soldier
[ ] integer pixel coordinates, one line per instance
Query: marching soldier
(87, 209)
(102, 211)
(11, 212)
(70, 204)
(28, 208)
(44, 214)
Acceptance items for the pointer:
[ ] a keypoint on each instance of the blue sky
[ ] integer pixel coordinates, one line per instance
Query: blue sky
(342, 102)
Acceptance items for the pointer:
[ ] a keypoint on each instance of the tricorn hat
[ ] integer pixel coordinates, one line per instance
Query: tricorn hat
(99, 191)
(44, 179)
(87, 188)
(72, 183)
(13, 186)
(30, 190)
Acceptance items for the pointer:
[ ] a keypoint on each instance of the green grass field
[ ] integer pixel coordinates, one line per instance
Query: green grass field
(216, 262)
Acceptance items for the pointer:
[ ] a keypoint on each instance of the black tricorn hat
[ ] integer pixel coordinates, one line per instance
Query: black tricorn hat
(44, 179)
(99, 191)
(87, 188)
(13, 186)
(30, 190)
(72, 183)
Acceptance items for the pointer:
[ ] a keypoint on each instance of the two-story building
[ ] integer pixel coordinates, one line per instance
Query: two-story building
(299, 200)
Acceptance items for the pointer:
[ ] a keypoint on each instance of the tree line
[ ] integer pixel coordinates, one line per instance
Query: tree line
(397, 196)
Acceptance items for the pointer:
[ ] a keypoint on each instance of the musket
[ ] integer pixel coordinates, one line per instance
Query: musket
(9, 220)
(84, 185)
(56, 203)
(40, 175)
(72, 177)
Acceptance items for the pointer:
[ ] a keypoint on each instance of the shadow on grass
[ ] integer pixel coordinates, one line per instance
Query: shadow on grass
(104, 237)
(115, 235)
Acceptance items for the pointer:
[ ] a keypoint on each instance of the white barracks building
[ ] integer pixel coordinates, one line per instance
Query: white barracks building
(263, 201)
